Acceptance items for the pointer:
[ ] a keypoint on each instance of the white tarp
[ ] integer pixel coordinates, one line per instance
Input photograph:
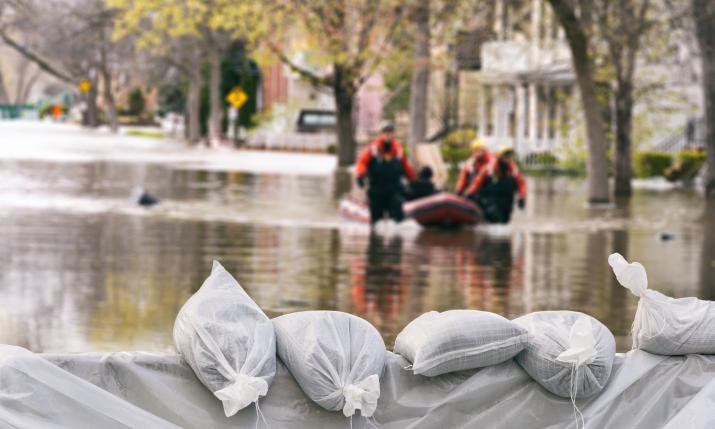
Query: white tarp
(150, 390)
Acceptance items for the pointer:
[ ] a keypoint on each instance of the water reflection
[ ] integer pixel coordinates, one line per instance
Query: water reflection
(83, 270)
(378, 285)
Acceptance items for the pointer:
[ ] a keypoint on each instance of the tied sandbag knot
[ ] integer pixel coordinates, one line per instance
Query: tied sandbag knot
(581, 351)
(241, 392)
(362, 396)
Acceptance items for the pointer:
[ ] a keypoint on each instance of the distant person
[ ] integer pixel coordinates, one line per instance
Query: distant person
(423, 186)
(496, 185)
(143, 198)
(481, 157)
(383, 165)
(57, 112)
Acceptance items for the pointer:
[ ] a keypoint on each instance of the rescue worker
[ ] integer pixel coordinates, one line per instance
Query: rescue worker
(384, 165)
(495, 186)
(481, 157)
(423, 186)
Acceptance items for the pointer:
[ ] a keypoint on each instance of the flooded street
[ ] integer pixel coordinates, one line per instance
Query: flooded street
(84, 269)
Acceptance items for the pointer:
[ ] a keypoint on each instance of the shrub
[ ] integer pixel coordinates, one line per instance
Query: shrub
(136, 102)
(456, 148)
(542, 159)
(651, 163)
(686, 165)
(46, 110)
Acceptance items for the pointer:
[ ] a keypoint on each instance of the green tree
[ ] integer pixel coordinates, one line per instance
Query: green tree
(136, 102)
(204, 29)
(348, 40)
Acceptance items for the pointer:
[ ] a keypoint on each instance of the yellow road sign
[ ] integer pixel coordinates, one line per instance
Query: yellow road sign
(237, 97)
(85, 85)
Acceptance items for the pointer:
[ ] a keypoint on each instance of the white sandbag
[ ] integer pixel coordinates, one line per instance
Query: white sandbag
(455, 340)
(336, 358)
(227, 340)
(569, 353)
(664, 325)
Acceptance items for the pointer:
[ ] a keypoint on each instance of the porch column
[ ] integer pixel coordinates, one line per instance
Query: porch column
(545, 118)
(482, 111)
(533, 114)
(521, 111)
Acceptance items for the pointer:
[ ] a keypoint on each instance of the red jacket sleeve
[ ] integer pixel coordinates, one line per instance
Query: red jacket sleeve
(477, 182)
(363, 162)
(462, 181)
(409, 171)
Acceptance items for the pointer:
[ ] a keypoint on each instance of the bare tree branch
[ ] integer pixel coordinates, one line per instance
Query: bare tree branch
(310, 76)
(44, 65)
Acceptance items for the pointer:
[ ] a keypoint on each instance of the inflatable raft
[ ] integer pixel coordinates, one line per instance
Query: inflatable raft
(444, 210)
(439, 210)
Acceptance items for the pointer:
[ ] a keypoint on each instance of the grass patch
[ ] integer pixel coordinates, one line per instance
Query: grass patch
(146, 133)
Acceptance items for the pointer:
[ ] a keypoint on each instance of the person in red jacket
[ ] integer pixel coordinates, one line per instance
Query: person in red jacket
(481, 157)
(495, 186)
(383, 165)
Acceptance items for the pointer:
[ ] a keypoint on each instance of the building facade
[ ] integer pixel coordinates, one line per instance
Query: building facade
(525, 86)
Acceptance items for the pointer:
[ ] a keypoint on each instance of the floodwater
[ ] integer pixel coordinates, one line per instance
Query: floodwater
(84, 269)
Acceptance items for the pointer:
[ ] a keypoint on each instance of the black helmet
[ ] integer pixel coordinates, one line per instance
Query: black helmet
(387, 127)
(425, 173)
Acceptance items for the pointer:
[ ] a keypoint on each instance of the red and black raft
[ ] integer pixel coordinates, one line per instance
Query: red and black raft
(439, 210)
(443, 210)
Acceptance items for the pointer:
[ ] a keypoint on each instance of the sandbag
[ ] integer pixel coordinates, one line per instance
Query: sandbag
(336, 358)
(455, 340)
(665, 325)
(569, 353)
(227, 340)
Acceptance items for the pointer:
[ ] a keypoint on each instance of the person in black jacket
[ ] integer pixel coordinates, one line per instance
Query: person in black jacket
(423, 186)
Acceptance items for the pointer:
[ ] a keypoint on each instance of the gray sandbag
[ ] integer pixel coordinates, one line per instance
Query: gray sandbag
(665, 325)
(227, 340)
(455, 340)
(336, 358)
(569, 353)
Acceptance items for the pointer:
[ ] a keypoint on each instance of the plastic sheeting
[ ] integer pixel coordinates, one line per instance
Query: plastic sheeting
(152, 390)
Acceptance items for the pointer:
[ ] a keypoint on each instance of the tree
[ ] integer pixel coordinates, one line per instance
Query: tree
(79, 47)
(26, 78)
(349, 39)
(165, 32)
(704, 16)
(582, 59)
(209, 25)
(3, 92)
(420, 75)
(622, 24)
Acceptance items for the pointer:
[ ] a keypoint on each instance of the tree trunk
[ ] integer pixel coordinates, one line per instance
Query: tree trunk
(193, 104)
(92, 116)
(624, 122)
(21, 74)
(420, 77)
(108, 95)
(344, 93)
(25, 96)
(215, 104)
(3, 92)
(597, 166)
(109, 101)
(704, 14)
